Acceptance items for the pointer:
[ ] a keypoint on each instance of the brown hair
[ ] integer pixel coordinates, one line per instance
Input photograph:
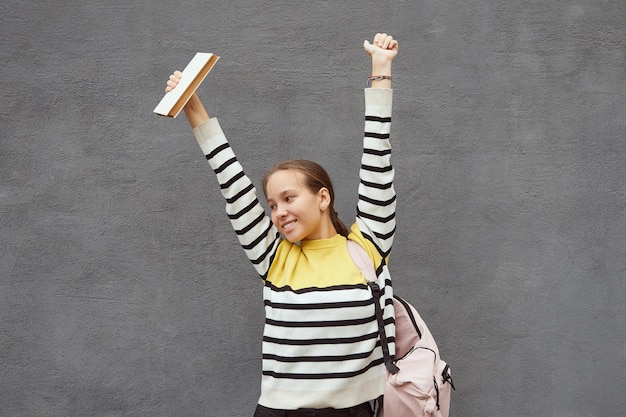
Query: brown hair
(315, 178)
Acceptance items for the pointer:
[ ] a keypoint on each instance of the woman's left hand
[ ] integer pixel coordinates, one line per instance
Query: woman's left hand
(383, 47)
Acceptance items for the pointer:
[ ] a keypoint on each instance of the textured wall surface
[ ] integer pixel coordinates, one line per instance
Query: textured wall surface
(123, 291)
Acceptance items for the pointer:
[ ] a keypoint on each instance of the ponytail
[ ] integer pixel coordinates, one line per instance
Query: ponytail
(339, 226)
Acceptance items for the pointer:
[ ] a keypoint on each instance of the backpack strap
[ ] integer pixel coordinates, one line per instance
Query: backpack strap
(363, 262)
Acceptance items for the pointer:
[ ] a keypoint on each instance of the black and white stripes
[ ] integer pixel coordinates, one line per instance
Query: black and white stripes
(320, 340)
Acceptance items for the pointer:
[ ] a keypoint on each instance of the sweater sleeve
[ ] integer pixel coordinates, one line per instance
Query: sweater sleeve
(376, 207)
(255, 231)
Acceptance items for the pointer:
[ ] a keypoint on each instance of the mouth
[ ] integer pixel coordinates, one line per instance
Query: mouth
(288, 226)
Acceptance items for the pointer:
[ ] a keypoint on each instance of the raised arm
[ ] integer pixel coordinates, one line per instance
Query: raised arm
(377, 198)
(257, 235)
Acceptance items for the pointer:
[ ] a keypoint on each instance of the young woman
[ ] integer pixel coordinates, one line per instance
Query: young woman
(321, 350)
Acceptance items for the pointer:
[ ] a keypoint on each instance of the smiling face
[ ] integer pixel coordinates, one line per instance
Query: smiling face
(297, 212)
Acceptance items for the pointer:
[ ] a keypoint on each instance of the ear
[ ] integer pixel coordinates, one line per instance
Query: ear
(324, 198)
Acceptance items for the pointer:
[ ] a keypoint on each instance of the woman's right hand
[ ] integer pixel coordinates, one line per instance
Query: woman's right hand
(173, 81)
(194, 109)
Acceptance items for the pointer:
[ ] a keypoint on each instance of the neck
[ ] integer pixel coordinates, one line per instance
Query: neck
(326, 230)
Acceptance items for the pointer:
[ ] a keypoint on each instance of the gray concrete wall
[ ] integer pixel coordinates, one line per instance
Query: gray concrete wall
(123, 291)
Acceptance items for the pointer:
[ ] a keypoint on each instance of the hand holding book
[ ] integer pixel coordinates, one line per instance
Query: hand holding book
(182, 85)
(173, 81)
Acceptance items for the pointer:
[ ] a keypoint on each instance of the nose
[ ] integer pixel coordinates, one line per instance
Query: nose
(280, 210)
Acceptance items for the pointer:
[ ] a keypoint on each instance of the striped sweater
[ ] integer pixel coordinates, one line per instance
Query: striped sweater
(320, 341)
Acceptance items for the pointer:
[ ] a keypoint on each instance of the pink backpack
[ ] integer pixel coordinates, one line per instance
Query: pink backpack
(418, 380)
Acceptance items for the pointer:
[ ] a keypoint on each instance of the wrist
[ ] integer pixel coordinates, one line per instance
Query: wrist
(381, 66)
(375, 78)
(381, 74)
(195, 111)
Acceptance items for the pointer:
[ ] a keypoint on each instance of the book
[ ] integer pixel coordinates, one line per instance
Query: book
(194, 73)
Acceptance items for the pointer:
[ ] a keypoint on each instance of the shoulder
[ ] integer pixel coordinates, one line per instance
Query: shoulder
(372, 252)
